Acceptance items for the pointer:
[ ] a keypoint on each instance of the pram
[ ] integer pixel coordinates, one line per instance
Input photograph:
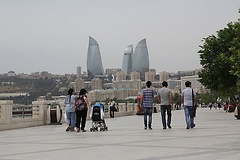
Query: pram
(97, 116)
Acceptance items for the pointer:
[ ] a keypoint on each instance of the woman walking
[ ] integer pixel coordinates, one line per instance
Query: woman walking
(70, 111)
(81, 108)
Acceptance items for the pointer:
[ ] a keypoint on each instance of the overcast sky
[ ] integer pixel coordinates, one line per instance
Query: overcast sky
(53, 35)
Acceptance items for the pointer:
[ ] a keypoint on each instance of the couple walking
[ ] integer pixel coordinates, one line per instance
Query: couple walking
(165, 99)
(76, 108)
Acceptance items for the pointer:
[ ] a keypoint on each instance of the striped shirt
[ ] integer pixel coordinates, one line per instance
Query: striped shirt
(147, 97)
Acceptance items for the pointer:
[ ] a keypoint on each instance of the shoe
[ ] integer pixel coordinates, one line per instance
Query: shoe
(68, 129)
(72, 129)
(150, 128)
(145, 128)
(187, 127)
(169, 126)
(164, 127)
(78, 129)
(193, 125)
(83, 130)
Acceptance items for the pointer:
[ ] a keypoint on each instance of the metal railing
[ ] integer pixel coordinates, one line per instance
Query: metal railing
(24, 111)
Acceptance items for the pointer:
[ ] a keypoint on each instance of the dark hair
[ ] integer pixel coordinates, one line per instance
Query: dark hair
(70, 91)
(164, 83)
(148, 83)
(82, 92)
(188, 84)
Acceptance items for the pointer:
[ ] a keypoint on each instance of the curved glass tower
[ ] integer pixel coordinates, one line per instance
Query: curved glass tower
(94, 60)
(127, 60)
(140, 57)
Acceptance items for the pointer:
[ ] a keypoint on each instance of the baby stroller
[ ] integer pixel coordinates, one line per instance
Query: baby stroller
(97, 116)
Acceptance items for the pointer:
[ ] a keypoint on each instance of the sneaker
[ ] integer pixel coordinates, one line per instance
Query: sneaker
(150, 128)
(193, 125)
(164, 127)
(83, 130)
(68, 129)
(145, 128)
(78, 129)
(187, 127)
(72, 129)
(169, 126)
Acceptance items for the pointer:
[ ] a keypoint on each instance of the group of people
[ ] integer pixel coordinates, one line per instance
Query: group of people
(76, 108)
(165, 98)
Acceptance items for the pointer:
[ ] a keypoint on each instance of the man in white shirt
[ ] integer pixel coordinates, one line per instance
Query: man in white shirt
(189, 99)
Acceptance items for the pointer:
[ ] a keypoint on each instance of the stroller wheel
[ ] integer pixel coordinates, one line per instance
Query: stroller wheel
(106, 128)
(91, 129)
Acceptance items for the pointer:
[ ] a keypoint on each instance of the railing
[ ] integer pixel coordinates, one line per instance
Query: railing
(24, 111)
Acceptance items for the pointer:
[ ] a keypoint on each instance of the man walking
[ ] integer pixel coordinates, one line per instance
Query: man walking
(165, 99)
(147, 103)
(189, 99)
(112, 108)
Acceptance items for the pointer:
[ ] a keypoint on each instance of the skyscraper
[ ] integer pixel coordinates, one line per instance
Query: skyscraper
(79, 72)
(140, 57)
(94, 60)
(127, 60)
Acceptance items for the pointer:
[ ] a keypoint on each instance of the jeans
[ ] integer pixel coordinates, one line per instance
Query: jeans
(188, 110)
(148, 112)
(81, 118)
(165, 108)
(71, 118)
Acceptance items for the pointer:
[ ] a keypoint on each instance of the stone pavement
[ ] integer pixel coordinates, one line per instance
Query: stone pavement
(216, 136)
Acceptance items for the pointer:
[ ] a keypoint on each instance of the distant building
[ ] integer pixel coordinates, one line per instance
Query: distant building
(132, 84)
(135, 75)
(196, 85)
(140, 57)
(97, 84)
(121, 76)
(163, 76)
(11, 73)
(127, 60)
(79, 72)
(149, 76)
(94, 60)
(102, 95)
(79, 84)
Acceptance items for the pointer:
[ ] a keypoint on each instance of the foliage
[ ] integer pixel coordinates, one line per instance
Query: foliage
(220, 58)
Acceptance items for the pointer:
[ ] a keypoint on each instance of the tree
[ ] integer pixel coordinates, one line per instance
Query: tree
(220, 58)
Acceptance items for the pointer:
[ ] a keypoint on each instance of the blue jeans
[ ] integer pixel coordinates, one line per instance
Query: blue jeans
(188, 110)
(148, 112)
(165, 108)
(71, 118)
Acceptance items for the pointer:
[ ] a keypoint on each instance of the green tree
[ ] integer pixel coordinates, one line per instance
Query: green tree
(220, 58)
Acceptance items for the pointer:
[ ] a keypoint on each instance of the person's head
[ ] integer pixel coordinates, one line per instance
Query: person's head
(148, 84)
(164, 84)
(82, 92)
(70, 91)
(188, 84)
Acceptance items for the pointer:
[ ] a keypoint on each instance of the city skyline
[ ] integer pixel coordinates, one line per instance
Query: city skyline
(53, 35)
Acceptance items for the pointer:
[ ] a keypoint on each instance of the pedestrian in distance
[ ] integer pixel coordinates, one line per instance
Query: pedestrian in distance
(70, 111)
(165, 100)
(147, 96)
(81, 107)
(189, 100)
(112, 108)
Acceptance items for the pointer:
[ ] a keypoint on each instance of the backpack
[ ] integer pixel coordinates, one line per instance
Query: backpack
(80, 103)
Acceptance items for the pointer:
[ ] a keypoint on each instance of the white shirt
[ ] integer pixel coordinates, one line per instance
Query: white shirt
(187, 96)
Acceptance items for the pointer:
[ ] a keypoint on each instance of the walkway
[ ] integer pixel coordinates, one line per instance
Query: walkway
(216, 136)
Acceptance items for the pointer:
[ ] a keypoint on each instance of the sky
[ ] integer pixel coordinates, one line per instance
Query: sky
(53, 35)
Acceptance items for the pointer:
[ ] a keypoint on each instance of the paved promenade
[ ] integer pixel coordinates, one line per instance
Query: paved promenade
(216, 137)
